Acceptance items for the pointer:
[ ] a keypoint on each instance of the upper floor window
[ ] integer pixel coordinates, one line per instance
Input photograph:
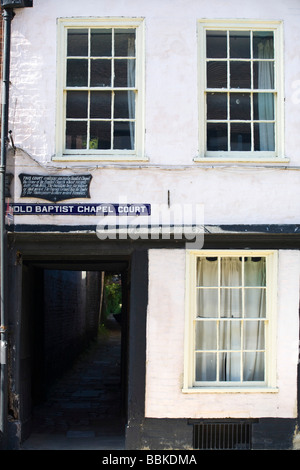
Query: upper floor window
(100, 89)
(241, 94)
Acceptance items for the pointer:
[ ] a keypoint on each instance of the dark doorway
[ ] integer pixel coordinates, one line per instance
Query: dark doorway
(75, 349)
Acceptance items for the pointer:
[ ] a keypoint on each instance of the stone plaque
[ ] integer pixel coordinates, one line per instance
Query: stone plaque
(55, 187)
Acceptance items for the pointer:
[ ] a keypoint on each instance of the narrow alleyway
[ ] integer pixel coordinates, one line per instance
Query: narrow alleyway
(83, 410)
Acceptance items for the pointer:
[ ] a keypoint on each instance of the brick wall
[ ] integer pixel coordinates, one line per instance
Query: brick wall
(71, 306)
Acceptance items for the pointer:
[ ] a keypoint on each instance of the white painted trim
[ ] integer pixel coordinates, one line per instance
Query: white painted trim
(116, 155)
(275, 26)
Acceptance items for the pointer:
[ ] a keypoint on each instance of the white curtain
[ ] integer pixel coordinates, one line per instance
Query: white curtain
(231, 333)
(131, 83)
(266, 100)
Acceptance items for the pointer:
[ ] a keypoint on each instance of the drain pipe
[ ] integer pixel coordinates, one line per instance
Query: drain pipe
(7, 18)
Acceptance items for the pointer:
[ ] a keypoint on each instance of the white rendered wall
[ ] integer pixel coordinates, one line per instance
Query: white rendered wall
(231, 194)
(165, 347)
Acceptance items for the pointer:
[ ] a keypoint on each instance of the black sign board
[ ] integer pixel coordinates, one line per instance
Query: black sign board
(100, 209)
(55, 187)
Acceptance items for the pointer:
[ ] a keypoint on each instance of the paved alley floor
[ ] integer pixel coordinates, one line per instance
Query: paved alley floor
(83, 411)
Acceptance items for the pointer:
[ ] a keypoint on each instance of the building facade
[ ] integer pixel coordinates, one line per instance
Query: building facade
(162, 138)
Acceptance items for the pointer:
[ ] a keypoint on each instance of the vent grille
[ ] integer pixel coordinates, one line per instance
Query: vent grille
(223, 436)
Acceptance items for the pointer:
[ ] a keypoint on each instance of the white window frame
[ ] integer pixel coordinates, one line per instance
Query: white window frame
(137, 154)
(243, 156)
(269, 385)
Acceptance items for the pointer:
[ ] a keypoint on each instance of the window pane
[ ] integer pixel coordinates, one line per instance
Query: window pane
(100, 72)
(207, 271)
(230, 335)
(231, 303)
(255, 271)
(77, 72)
(264, 136)
(206, 335)
(263, 106)
(77, 42)
(230, 367)
(263, 75)
(100, 135)
(231, 271)
(254, 335)
(100, 104)
(123, 135)
(240, 137)
(263, 45)
(240, 44)
(76, 135)
(207, 303)
(240, 106)
(240, 74)
(124, 43)
(206, 367)
(217, 137)
(77, 104)
(216, 74)
(216, 44)
(124, 104)
(255, 303)
(124, 73)
(101, 43)
(254, 368)
(216, 106)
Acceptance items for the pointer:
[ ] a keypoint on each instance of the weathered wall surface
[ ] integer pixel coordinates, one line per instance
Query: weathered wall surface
(230, 194)
(165, 348)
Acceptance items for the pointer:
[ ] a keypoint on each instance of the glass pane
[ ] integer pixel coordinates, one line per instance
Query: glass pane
(254, 335)
(231, 271)
(206, 367)
(124, 42)
(254, 366)
(207, 303)
(240, 74)
(207, 271)
(124, 135)
(255, 271)
(231, 303)
(263, 106)
(77, 42)
(263, 75)
(76, 135)
(217, 137)
(101, 43)
(239, 44)
(230, 367)
(264, 136)
(101, 72)
(240, 106)
(263, 45)
(77, 72)
(255, 303)
(100, 135)
(77, 104)
(217, 74)
(216, 105)
(216, 44)
(124, 73)
(240, 137)
(124, 104)
(230, 335)
(100, 104)
(206, 335)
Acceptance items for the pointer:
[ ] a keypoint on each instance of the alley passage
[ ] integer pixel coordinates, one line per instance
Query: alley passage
(84, 408)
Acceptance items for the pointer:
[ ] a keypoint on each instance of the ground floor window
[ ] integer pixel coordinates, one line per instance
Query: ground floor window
(230, 318)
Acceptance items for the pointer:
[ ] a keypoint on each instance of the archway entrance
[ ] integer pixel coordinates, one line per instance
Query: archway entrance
(74, 342)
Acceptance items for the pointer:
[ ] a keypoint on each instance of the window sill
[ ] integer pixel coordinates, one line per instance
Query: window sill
(98, 158)
(260, 160)
(230, 390)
